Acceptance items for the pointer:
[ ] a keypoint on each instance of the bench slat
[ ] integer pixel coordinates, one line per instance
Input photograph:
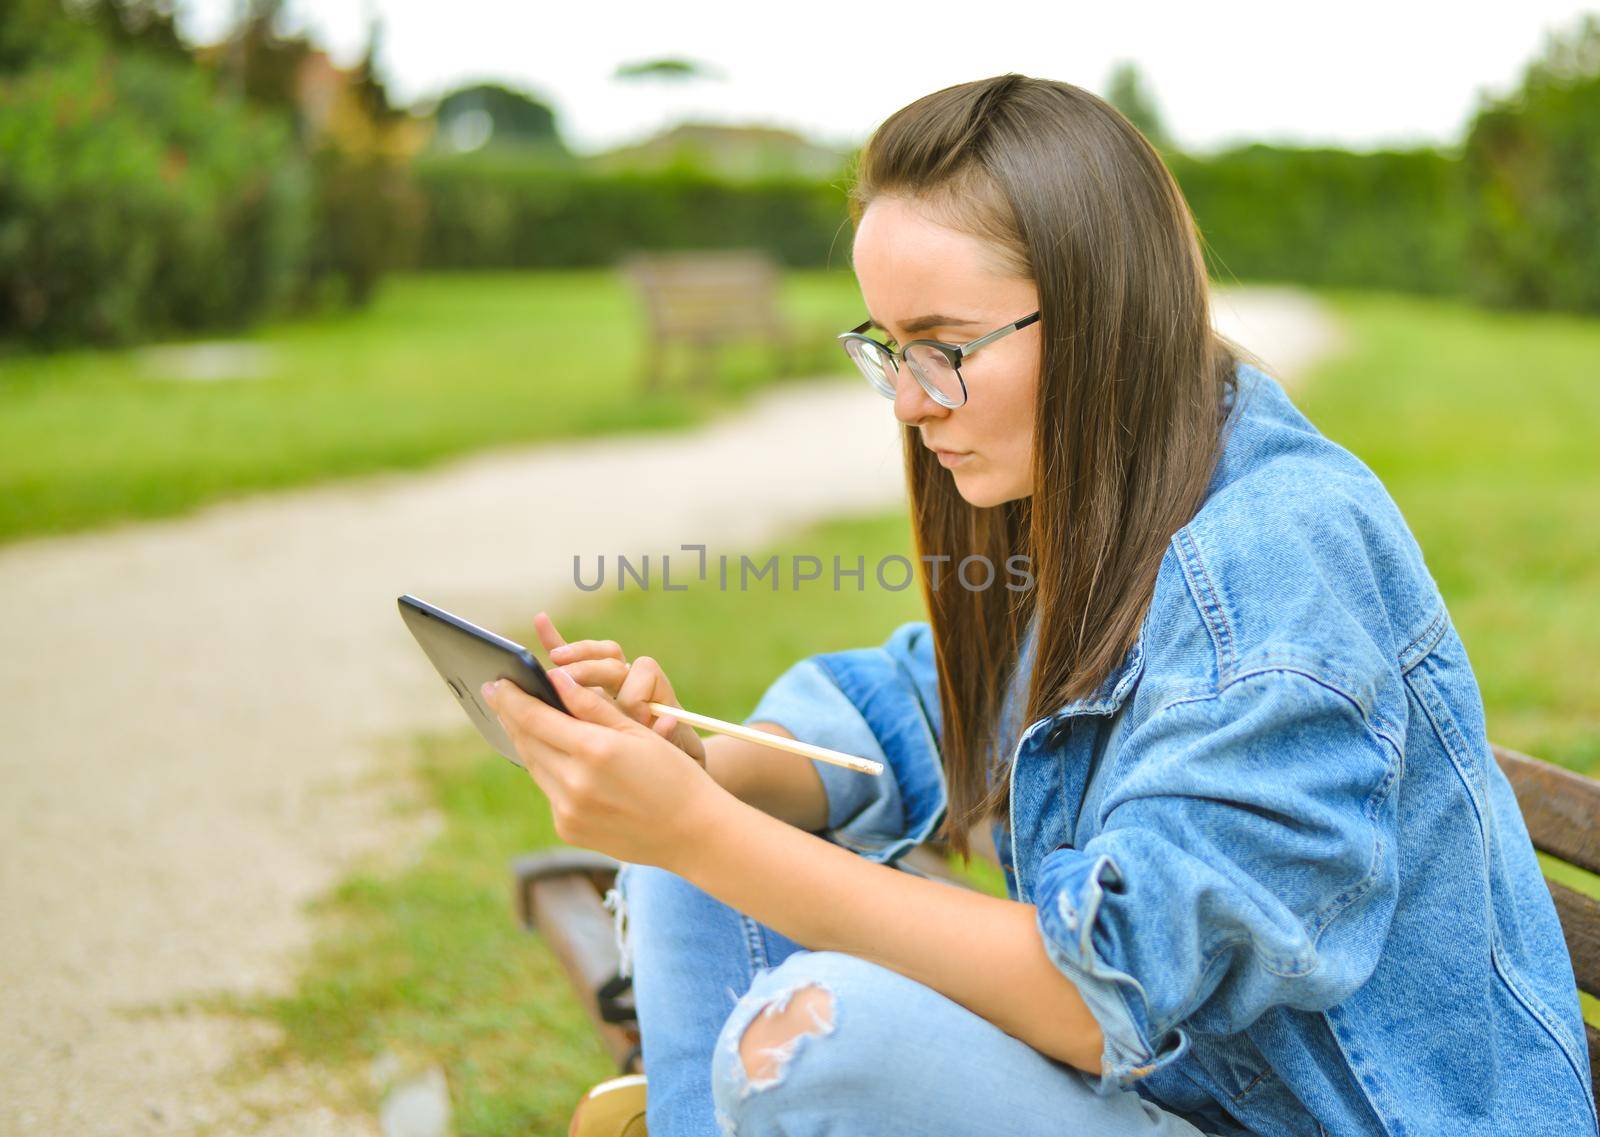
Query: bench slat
(1561, 808)
(1594, 1055)
(1580, 923)
(572, 920)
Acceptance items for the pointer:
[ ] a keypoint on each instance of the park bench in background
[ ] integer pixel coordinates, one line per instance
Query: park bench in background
(559, 894)
(704, 300)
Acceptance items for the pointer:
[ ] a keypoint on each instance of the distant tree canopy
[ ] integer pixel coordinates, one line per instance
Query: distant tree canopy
(33, 31)
(510, 116)
(148, 188)
(1532, 164)
(668, 68)
(1125, 90)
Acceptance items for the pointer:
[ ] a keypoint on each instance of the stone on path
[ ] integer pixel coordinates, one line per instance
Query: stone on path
(417, 1107)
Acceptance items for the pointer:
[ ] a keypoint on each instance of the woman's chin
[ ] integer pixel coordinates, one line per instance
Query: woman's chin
(984, 492)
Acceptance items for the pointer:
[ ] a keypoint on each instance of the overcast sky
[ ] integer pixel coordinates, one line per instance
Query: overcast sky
(1357, 74)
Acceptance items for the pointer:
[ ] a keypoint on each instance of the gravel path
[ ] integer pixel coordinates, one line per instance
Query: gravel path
(194, 713)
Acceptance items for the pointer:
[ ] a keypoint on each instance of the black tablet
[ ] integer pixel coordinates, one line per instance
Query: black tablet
(467, 656)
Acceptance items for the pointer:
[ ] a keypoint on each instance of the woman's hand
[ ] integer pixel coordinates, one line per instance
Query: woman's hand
(601, 664)
(614, 784)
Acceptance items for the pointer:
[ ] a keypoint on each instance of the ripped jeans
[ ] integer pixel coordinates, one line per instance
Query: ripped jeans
(885, 1054)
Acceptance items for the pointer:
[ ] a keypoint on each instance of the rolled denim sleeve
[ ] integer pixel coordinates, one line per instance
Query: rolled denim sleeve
(1245, 860)
(879, 703)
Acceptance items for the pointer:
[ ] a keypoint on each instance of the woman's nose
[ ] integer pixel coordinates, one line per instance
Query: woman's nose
(912, 404)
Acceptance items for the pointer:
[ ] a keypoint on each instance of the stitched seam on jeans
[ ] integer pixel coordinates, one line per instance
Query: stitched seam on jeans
(754, 943)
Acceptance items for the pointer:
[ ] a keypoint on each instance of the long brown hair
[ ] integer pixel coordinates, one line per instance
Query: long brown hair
(1130, 397)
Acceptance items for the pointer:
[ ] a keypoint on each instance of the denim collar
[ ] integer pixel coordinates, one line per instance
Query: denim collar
(1108, 697)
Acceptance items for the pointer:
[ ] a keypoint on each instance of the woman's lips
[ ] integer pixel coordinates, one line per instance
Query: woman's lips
(949, 458)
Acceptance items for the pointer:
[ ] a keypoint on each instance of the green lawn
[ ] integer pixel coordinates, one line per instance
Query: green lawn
(1481, 424)
(438, 366)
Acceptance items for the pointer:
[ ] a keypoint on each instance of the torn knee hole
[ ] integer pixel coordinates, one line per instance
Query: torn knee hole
(770, 1039)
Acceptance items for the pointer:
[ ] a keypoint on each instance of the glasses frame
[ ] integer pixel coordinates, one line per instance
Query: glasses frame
(954, 352)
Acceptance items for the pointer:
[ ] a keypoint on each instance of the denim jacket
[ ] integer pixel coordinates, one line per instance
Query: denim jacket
(1296, 893)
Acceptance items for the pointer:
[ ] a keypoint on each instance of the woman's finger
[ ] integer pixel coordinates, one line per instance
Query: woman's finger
(607, 673)
(586, 705)
(539, 770)
(641, 684)
(663, 692)
(542, 761)
(520, 712)
(546, 627)
(647, 682)
(587, 649)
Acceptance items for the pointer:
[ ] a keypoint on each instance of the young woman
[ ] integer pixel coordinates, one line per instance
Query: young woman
(1265, 875)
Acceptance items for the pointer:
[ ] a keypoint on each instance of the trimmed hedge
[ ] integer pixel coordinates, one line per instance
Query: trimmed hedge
(1394, 219)
(498, 210)
(1391, 219)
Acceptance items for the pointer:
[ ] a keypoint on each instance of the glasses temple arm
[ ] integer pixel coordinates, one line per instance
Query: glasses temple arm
(969, 348)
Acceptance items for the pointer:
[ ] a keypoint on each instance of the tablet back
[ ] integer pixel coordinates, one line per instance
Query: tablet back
(467, 656)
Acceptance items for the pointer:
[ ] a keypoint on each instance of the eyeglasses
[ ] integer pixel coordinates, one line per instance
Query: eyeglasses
(936, 366)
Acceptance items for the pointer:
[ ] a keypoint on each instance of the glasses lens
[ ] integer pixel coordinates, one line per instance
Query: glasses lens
(938, 377)
(874, 363)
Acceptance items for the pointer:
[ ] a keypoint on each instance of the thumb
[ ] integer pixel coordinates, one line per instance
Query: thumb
(586, 704)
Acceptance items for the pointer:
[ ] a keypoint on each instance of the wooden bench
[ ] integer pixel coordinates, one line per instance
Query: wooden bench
(559, 894)
(706, 300)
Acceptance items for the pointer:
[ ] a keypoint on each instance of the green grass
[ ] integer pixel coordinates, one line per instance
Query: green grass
(427, 965)
(438, 366)
(1481, 424)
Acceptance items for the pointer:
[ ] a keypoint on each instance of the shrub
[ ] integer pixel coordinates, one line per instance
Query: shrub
(134, 197)
(507, 210)
(1389, 219)
(1533, 173)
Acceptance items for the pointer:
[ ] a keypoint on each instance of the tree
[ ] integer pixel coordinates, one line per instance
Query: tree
(260, 62)
(1125, 91)
(491, 113)
(41, 31)
(1534, 182)
(673, 69)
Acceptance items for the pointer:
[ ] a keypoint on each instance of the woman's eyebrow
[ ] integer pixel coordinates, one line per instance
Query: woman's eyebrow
(923, 323)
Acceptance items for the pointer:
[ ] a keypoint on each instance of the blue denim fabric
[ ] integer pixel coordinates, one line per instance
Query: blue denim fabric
(891, 1056)
(1297, 887)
